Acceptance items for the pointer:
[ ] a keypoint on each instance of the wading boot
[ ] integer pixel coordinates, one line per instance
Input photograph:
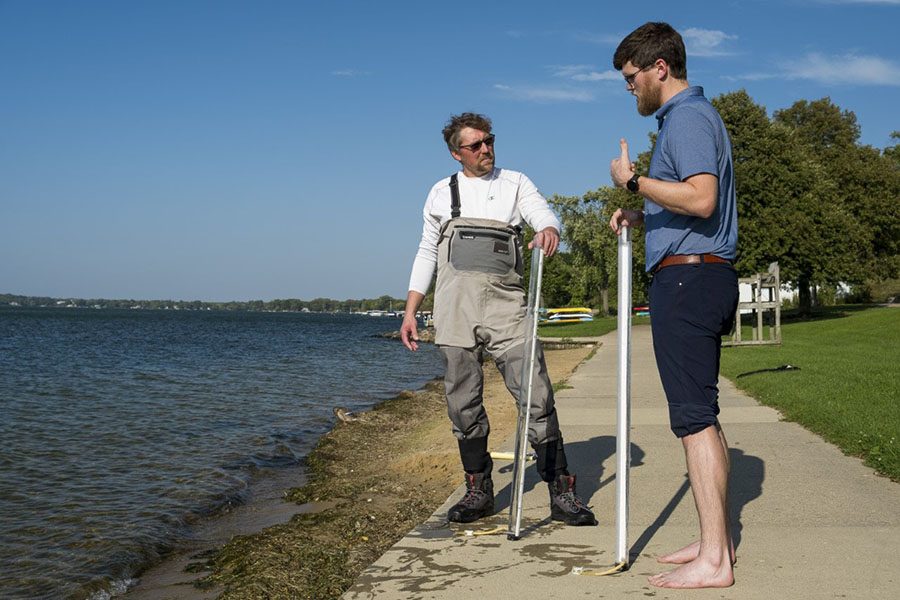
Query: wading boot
(478, 501)
(565, 505)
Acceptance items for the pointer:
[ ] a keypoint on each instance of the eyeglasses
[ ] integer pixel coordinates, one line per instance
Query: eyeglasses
(488, 140)
(629, 79)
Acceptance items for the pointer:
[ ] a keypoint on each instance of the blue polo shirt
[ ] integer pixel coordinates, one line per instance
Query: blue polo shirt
(692, 140)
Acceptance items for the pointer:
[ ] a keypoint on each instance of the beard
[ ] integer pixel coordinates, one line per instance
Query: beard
(484, 165)
(649, 101)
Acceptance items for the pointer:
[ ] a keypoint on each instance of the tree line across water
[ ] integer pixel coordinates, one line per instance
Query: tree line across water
(287, 305)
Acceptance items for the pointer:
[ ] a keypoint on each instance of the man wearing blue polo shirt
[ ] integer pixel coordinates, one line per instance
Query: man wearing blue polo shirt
(690, 219)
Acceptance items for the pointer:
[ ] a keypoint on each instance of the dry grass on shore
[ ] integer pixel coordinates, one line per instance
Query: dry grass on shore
(372, 481)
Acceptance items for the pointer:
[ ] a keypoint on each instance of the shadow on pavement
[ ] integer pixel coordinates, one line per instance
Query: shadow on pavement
(588, 460)
(745, 485)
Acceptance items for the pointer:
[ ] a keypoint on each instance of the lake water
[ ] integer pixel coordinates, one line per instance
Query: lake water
(119, 428)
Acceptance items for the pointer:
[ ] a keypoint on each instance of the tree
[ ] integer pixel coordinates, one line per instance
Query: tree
(893, 152)
(868, 182)
(588, 248)
(821, 125)
(790, 207)
(593, 247)
(558, 273)
(556, 276)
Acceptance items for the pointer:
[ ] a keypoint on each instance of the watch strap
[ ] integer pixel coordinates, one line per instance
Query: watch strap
(632, 183)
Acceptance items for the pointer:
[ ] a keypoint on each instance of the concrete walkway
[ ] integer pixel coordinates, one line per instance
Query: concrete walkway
(809, 522)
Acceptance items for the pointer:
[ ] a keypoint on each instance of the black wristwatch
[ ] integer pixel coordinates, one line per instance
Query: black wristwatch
(632, 184)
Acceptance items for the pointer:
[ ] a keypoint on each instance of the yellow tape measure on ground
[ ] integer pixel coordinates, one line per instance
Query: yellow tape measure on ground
(617, 568)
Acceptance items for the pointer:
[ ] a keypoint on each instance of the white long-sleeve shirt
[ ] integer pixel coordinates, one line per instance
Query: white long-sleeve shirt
(503, 195)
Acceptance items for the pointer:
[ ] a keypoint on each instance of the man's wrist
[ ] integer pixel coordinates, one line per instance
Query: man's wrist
(633, 185)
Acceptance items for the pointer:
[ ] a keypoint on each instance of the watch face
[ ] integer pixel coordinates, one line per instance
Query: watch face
(632, 184)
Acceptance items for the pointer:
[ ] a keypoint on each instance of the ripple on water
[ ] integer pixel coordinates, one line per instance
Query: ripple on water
(120, 428)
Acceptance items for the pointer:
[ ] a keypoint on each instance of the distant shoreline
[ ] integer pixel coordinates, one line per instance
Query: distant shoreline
(386, 304)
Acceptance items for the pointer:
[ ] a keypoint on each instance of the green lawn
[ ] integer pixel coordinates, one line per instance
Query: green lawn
(599, 326)
(847, 388)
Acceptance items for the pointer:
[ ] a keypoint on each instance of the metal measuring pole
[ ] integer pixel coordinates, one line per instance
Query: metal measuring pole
(525, 386)
(623, 406)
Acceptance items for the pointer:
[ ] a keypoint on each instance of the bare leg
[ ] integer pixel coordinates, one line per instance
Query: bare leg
(690, 552)
(707, 463)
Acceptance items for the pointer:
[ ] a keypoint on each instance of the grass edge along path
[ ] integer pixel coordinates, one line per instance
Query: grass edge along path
(847, 384)
(599, 326)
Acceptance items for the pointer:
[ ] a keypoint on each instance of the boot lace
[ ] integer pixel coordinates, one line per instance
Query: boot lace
(570, 502)
(473, 498)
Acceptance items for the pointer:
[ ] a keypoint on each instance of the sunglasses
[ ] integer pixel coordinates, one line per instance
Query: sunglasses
(629, 79)
(488, 140)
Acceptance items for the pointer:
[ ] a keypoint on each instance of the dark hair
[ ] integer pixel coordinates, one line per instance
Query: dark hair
(649, 42)
(458, 122)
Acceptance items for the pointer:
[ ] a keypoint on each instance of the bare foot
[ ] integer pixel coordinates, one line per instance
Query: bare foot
(687, 554)
(695, 574)
(679, 557)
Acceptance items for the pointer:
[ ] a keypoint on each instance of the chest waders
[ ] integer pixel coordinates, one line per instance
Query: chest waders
(480, 306)
(479, 297)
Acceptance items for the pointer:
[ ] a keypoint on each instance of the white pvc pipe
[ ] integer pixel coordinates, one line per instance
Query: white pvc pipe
(526, 382)
(623, 405)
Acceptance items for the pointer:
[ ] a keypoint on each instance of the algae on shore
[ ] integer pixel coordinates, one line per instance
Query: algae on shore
(372, 480)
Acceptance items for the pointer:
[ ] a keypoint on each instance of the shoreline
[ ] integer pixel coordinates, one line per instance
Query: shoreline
(265, 506)
(369, 481)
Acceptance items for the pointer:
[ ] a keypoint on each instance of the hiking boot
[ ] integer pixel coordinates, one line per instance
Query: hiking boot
(565, 505)
(478, 501)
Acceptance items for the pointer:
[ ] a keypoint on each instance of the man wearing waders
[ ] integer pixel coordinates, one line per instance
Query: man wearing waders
(472, 235)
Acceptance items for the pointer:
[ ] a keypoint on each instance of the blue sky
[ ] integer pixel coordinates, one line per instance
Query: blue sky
(259, 150)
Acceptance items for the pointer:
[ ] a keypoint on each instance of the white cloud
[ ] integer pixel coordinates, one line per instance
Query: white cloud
(609, 75)
(894, 2)
(584, 73)
(847, 69)
(850, 69)
(752, 77)
(349, 73)
(706, 42)
(597, 38)
(569, 70)
(543, 94)
(698, 42)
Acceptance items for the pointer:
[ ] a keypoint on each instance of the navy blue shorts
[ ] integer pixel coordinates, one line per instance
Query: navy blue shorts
(691, 308)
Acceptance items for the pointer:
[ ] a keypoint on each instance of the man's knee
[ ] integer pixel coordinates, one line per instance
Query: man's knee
(464, 387)
(689, 419)
(462, 369)
(510, 365)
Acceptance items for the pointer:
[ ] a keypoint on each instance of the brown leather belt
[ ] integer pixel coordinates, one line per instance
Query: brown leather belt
(689, 259)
